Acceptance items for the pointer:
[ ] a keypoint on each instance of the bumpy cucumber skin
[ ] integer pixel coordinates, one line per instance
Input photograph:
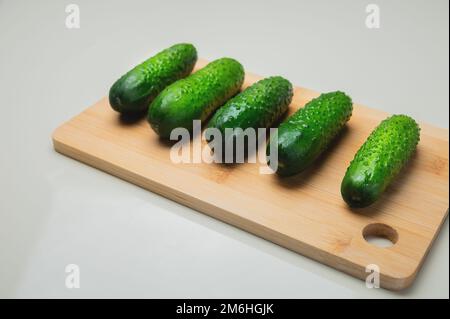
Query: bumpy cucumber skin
(195, 97)
(379, 160)
(258, 106)
(309, 131)
(133, 92)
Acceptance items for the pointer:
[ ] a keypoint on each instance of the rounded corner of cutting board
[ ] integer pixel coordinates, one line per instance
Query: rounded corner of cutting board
(57, 136)
(400, 281)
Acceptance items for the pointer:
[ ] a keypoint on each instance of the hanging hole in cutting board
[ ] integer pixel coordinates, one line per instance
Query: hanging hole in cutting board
(380, 235)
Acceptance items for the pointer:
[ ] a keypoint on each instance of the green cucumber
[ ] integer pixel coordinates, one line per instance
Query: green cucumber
(133, 92)
(379, 160)
(195, 97)
(309, 131)
(258, 106)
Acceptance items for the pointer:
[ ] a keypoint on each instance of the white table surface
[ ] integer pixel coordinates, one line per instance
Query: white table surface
(129, 242)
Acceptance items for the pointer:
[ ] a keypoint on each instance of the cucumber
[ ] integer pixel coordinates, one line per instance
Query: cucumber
(309, 131)
(379, 160)
(133, 92)
(258, 106)
(195, 97)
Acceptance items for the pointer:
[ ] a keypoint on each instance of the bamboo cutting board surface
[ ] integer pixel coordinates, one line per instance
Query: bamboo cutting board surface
(304, 213)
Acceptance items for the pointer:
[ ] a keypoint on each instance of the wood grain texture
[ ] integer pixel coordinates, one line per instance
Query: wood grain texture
(304, 213)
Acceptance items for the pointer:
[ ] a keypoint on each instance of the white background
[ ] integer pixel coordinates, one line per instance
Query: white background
(129, 242)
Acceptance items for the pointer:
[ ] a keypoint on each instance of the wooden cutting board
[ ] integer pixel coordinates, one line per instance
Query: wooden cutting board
(304, 213)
